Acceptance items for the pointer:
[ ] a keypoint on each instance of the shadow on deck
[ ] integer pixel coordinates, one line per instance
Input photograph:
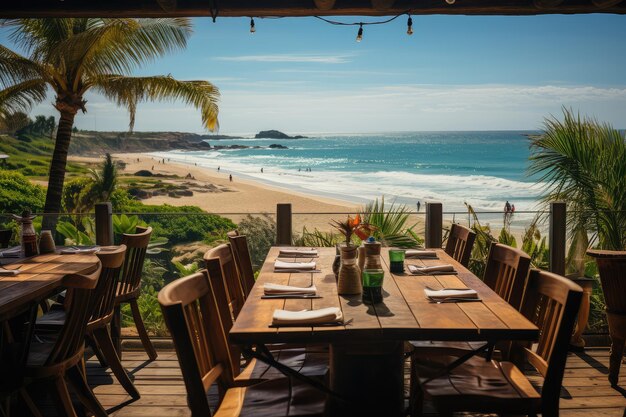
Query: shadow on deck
(586, 390)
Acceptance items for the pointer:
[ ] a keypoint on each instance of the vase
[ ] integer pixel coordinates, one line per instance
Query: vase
(349, 282)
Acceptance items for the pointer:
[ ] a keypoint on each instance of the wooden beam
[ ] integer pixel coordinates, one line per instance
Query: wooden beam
(325, 4)
(603, 4)
(382, 4)
(547, 4)
(167, 5)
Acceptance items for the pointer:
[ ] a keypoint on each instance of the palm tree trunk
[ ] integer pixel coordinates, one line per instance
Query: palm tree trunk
(57, 169)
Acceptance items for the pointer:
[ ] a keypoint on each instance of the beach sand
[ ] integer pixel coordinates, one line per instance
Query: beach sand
(240, 196)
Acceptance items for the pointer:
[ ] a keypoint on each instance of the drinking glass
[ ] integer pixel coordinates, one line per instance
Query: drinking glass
(372, 285)
(46, 242)
(396, 260)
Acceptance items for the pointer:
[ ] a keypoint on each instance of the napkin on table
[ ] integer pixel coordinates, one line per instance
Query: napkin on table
(456, 293)
(307, 317)
(420, 253)
(80, 251)
(11, 253)
(298, 252)
(445, 269)
(9, 272)
(291, 266)
(277, 289)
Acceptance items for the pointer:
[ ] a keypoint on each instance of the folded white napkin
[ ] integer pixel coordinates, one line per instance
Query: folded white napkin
(9, 272)
(80, 251)
(307, 317)
(420, 253)
(444, 294)
(290, 266)
(277, 289)
(11, 252)
(298, 252)
(432, 270)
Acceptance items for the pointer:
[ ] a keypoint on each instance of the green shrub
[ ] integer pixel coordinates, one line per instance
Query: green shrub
(260, 234)
(17, 193)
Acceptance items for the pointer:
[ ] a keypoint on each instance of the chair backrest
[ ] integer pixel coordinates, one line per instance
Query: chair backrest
(136, 247)
(72, 336)
(551, 303)
(612, 269)
(234, 290)
(506, 272)
(191, 316)
(243, 262)
(460, 243)
(5, 238)
(104, 294)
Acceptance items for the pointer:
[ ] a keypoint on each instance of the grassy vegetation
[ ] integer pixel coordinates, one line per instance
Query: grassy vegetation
(30, 155)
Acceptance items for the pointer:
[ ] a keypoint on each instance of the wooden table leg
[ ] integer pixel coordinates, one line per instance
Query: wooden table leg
(577, 342)
(369, 376)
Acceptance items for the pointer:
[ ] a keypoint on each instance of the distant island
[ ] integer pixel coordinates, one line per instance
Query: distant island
(275, 134)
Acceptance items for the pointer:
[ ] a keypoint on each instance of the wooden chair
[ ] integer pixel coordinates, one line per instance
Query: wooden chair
(311, 360)
(460, 243)
(243, 262)
(483, 386)
(5, 238)
(612, 268)
(57, 359)
(129, 288)
(97, 327)
(234, 290)
(192, 315)
(506, 272)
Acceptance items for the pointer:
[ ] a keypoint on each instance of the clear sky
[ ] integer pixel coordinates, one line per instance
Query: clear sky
(302, 75)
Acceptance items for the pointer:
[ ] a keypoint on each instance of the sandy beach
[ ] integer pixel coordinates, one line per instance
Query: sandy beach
(235, 198)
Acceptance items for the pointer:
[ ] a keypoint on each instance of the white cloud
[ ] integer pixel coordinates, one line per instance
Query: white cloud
(293, 58)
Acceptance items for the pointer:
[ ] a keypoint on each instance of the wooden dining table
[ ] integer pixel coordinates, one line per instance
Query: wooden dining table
(367, 353)
(40, 277)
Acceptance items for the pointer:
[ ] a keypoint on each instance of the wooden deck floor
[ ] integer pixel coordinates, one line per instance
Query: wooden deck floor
(586, 391)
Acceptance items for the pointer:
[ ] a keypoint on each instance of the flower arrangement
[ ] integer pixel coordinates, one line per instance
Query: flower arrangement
(353, 225)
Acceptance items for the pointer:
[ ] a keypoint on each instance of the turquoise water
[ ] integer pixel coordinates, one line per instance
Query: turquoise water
(481, 168)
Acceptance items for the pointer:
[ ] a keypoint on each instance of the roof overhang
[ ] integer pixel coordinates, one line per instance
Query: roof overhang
(298, 8)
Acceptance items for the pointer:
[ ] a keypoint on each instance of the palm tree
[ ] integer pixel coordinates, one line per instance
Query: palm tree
(583, 162)
(74, 55)
(105, 180)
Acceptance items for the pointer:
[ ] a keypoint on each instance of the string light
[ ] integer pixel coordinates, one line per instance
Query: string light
(359, 35)
(409, 26)
(252, 28)
(450, 1)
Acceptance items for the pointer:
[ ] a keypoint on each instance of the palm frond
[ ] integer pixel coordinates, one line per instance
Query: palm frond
(14, 68)
(129, 91)
(22, 96)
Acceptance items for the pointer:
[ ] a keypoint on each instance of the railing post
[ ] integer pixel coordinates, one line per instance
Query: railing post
(558, 221)
(283, 224)
(433, 227)
(104, 224)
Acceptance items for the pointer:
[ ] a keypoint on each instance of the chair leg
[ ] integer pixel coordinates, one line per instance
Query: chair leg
(103, 338)
(141, 329)
(64, 397)
(29, 403)
(617, 352)
(96, 350)
(79, 383)
(416, 395)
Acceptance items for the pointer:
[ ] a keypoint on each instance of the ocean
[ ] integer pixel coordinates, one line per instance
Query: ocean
(484, 169)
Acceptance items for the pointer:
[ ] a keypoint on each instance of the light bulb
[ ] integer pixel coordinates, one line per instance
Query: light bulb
(409, 26)
(252, 28)
(359, 35)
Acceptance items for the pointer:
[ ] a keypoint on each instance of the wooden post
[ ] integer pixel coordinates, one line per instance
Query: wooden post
(433, 227)
(558, 220)
(283, 224)
(104, 224)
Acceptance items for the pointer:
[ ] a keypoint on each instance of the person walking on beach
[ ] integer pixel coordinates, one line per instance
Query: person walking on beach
(419, 205)
(218, 169)
(507, 207)
(261, 170)
(230, 177)
(512, 208)
(153, 167)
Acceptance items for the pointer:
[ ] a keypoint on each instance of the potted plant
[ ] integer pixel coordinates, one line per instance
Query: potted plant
(349, 275)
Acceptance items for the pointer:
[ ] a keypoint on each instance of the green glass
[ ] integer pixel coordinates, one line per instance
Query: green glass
(396, 260)
(373, 285)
